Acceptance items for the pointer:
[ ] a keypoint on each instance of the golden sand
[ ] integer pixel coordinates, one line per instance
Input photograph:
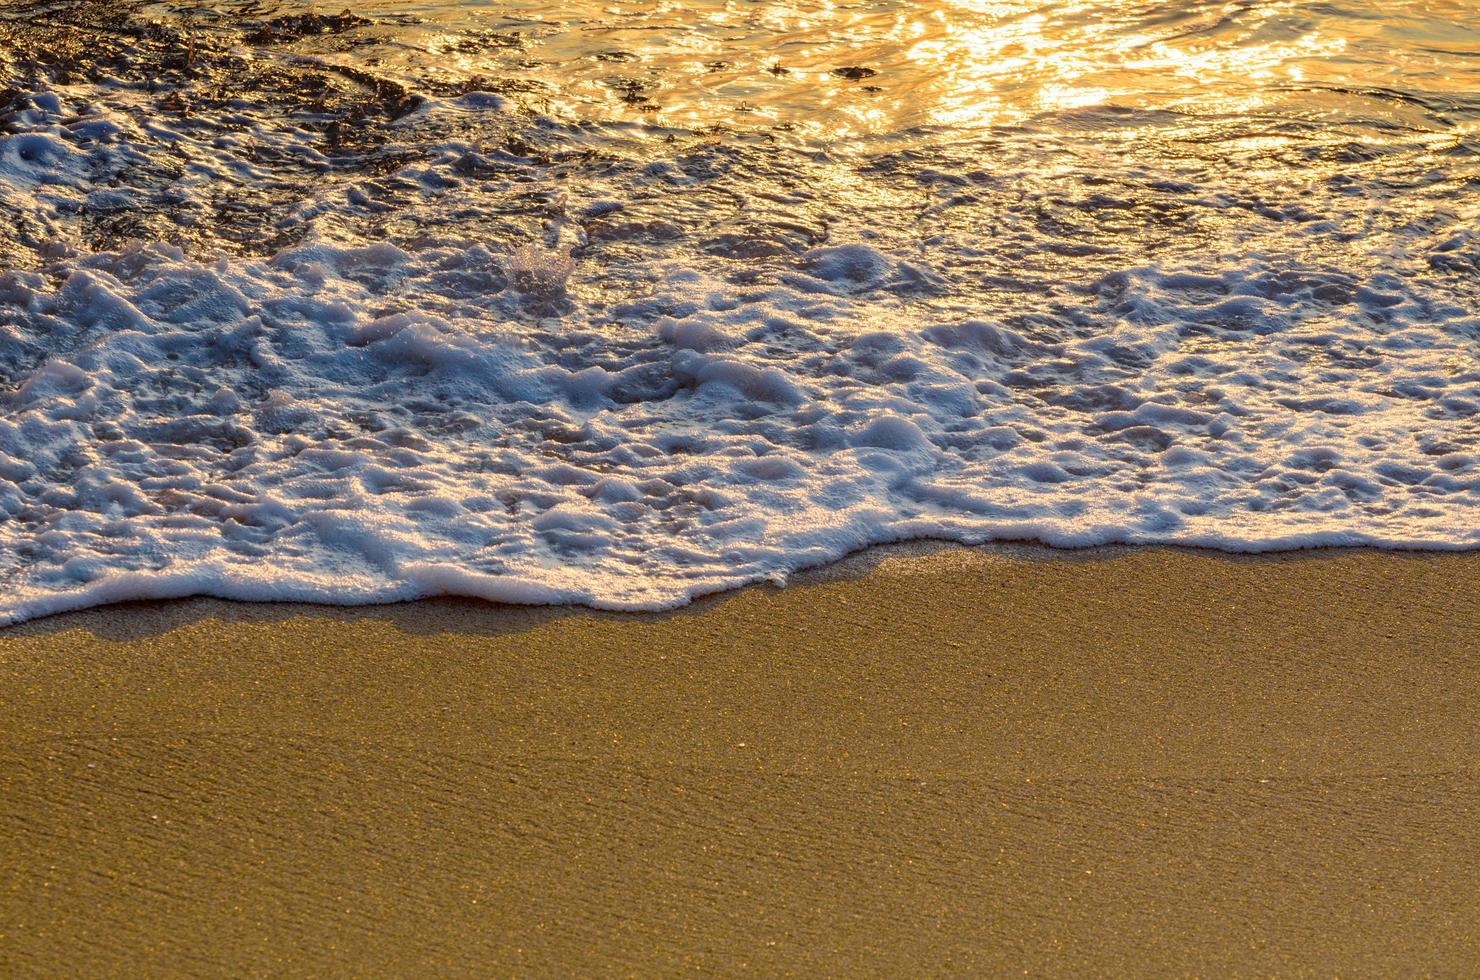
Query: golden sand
(925, 760)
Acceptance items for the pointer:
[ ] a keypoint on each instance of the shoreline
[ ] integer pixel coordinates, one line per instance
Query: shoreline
(925, 758)
(850, 564)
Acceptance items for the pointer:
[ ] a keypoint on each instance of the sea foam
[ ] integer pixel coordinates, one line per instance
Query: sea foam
(677, 366)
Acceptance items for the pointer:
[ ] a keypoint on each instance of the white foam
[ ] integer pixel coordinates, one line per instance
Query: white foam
(689, 367)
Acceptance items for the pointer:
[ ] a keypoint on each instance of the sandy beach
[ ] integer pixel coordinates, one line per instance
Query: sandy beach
(924, 760)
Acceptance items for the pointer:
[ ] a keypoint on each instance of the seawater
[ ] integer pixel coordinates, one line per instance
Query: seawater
(624, 303)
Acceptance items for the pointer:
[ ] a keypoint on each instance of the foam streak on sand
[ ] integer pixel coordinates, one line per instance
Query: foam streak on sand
(495, 352)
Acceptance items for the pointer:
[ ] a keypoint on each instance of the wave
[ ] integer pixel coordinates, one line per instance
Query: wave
(466, 347)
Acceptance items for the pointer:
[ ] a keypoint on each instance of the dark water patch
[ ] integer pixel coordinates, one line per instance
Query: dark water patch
(293, 27)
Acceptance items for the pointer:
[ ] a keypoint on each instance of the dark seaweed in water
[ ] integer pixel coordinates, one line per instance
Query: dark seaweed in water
(295, 26)
(200, 76)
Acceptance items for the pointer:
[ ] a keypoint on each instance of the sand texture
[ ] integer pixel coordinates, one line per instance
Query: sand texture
(927, 760)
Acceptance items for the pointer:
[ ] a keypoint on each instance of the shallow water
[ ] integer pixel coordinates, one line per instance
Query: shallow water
(963, 64)
(624, 303)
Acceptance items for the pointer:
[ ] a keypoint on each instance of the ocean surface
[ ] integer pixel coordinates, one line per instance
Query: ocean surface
(623, 303)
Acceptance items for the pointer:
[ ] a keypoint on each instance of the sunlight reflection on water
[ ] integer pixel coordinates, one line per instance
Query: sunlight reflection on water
(954, 63)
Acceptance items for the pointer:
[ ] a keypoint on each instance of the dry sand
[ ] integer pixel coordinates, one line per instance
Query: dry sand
(927, 760)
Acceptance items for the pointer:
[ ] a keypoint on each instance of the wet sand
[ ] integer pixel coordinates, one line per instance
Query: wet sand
(926, 760)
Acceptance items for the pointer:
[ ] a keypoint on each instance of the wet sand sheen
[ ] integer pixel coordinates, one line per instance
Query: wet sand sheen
(924, 760)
